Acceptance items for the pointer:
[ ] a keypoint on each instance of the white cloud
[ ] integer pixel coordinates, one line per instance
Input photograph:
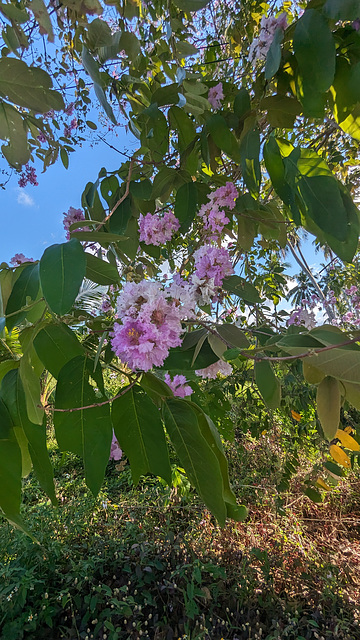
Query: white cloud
(25, 199)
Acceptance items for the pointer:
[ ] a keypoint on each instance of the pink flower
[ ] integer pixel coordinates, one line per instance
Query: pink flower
(151, 318)
(28, 176)
(211, 372)
(73, 215)
(212, 262)
(115, 451)
(215, 96)
(19, 259)
(178, 385)
(156, 229)
(106, 305)
(260, 46)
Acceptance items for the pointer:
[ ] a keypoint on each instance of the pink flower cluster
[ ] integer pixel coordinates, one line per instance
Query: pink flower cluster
(212, 265)
(19, 259)
(305, 315)
(178, 385)
(212, 213)
(106, 305)
(28, 176)
(211, 372)
(73, 215)
(261, 45)
(151, 318)
(157, 229)
(115, 451)
(215, 96)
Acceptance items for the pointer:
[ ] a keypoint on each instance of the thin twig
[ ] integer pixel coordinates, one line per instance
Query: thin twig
(127, 188)
(96, 404)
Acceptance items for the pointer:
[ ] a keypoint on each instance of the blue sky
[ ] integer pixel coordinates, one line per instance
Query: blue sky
(31, 217)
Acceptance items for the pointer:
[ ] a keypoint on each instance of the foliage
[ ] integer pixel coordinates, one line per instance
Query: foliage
(248, 130)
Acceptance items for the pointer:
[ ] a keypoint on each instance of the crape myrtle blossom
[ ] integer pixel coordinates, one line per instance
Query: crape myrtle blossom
(305, 315)
(212, 265)
(73, 215)
(157, 229)
(178, 385)
(150, 323)
(215, 96)
(19, 259)
(260, 46)
(211, 372)
(213, 216)
(115, 451)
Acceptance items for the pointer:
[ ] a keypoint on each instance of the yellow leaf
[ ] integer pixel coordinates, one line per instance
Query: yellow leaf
(321, 483)
(349, 430)
(263, 433)
(295, 415)
(340, 456)
(347, 441)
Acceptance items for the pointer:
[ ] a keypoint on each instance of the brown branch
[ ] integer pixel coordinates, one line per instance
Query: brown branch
(96, 404)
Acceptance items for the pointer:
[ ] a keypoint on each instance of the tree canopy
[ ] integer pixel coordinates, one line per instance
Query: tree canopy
(247, 117)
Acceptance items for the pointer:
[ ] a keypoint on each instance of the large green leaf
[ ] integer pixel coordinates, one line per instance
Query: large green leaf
(342, 9)
(34, 434)
(29, 87)
(273, 57)
(55, 345)
(185, 204)
(268, 384)
(282, 110)
(180, 360)
(233, 335)
(24, 291)
(183, 125)
(62, 270)
(100, 271)
(12, 129)
(223, 137)
(314, 48)
(275, 166)
(140, 433)
(10, 478)
(241, 288)
(85, 432)
(212, 437)
(196, 455)
(324, 204)
(42, 18)
(99, 34)
(31, 384)
(328, 403)
(191, 5)
(250, 163)
(121, 216)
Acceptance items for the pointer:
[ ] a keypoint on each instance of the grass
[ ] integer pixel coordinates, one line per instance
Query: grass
(150, 562)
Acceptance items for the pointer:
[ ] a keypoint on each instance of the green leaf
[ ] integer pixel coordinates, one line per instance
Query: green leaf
(56, 345)
(64, 156)
(250, 163)
(282, 110)
(314, 48)
(268, 384)
(100, 271)
(273, 57)
(92, 68)
(334, 468)
(223, 137)
(121, 216)
(191, 5)
(155, 388)
(12, 129)
(342, 9)
(314, 495)
(233, 335)
(179, 361)
(212, 437)
(10, 478)
(102, 237)
(28, 87)
(324, 203)
(196, 456)
(14, 13)
(240, 287)
(99, 34)
(140, 433)
(328, 401)
(31, 384)
(34, 434)
(85, 432)
(183, 125)
(275, 167)
(130, 44)
(169, 94)
(42, 18)
(242, 104)
(24, 290)
(6, 366)
(185, 205)
(141, 190)
(62, 270)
